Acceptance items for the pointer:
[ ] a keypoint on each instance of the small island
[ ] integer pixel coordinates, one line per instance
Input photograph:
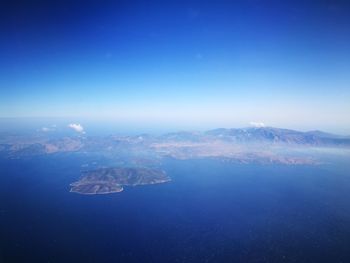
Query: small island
(112, 180)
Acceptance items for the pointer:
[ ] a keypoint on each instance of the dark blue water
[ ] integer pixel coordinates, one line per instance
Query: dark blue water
(210, 212)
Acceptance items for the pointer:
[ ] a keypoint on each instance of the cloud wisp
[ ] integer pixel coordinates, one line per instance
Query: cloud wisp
(49, 128)
(257, 124)
(77, 127)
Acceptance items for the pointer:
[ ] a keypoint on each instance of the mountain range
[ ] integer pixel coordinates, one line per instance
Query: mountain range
(262, 144)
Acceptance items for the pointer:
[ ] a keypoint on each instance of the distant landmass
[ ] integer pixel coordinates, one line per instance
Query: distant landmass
(246, 145)
(112, 180)
(135, 160)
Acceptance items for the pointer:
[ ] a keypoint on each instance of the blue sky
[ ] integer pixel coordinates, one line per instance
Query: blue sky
(185, 64)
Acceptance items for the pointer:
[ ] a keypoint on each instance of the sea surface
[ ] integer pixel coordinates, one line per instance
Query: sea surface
(210, 212)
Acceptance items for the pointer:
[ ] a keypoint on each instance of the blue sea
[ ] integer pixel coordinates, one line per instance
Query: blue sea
(210, 212)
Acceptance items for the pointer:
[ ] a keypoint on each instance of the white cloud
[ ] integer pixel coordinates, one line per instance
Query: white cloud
(77, 127)
(257, 124)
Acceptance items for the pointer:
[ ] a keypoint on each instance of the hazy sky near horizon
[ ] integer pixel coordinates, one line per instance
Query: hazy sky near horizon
(182, 63)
